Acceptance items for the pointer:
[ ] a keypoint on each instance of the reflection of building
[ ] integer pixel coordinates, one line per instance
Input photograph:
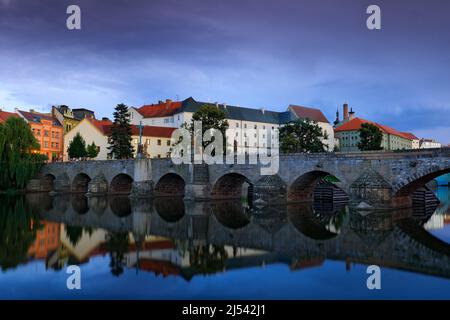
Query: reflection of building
(48, 132)
(47, 240)
(156, 140)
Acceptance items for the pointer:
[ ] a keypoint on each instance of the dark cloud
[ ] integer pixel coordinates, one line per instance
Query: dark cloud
(248, 52)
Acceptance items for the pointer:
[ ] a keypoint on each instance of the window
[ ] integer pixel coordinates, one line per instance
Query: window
(159, 142)
(45, 133)
(168, 143)
(237, 124)
(39, 132)
(264, 127)
(273, 128)
(53, 134)
(53, 145)
(57, 145)
(237, 134)
(57, 135)
(45, 144)
(256, 126)
(245, 125)
(159, 156)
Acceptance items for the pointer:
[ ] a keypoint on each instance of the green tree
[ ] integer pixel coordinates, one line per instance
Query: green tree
(77, 147)
(301, 135)
(19, 159)
(211, 117)
(117, 245)
(370, 137)
(120, 135)
(92, 151)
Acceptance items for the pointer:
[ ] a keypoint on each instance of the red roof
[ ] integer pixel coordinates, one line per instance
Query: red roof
(147, 131)
(37, 117)
(355, 124)
(309, 113)
(162, 109)
(4, 115)
(410, 136)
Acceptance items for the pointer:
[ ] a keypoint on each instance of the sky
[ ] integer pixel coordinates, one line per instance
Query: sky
(253, 53)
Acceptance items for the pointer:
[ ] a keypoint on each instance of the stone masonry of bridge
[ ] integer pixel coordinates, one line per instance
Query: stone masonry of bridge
(382, 179)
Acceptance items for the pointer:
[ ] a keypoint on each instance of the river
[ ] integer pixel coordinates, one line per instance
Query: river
(170, 249)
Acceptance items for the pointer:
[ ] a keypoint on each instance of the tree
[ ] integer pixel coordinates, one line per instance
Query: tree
(211, 118)
(92, 151)
(370, 137)
(120, 135)
(301, 135)
(77, 147)
(117, 245)
(19, 157)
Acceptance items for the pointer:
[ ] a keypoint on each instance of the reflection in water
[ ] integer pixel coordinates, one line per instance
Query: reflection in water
(170, 210)
(170, 237)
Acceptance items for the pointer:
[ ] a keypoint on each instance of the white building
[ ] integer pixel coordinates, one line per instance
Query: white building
(156, 140)
(250, 129)
(429, 144)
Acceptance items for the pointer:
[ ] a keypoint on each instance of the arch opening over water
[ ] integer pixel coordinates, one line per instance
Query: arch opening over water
(121, 184)
(80, 183)
(170, 185)
(233, 186)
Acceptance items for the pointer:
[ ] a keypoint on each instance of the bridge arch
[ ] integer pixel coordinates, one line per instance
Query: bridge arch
(48, 182)
(302, 189)
(170, 184)
(80, 183)
(233, 186)
(417, 180)
(121, 184)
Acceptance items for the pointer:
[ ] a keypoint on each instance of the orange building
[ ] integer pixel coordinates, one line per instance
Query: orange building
(47, 240)
(48, 132)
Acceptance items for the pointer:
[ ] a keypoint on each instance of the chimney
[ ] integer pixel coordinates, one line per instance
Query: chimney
(345, 111)
(352, 114)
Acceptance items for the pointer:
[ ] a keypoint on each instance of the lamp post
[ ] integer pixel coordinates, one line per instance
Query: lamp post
(140, 148)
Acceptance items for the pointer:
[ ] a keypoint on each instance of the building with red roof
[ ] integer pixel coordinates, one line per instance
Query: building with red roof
(47, 130)
(5, 115)
(156, 140)
(348, 135)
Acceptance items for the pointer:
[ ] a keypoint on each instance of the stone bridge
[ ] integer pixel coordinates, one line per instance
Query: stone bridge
(382, 179)
(294, 231)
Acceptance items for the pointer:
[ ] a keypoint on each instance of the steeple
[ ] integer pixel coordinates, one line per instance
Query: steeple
(337, 117)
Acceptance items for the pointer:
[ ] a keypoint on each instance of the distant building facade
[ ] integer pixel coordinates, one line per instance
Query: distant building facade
(429, 144)
(252, 129)
(48, 131)
(69, 118)
(156, 140)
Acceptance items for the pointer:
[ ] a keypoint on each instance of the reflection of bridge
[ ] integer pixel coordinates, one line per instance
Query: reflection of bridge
(378, 178)
(389, 240)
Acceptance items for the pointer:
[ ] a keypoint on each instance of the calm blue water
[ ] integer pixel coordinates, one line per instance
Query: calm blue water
(164, 250)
